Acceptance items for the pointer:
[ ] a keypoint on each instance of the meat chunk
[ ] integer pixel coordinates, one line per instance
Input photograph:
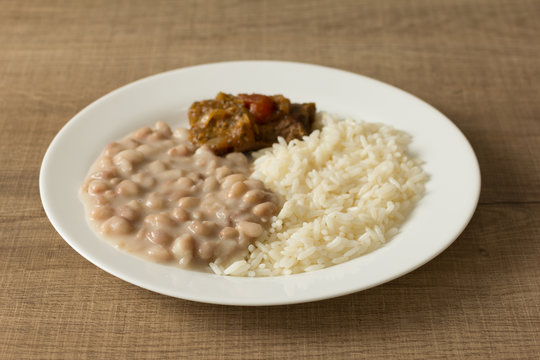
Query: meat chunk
(248, 122)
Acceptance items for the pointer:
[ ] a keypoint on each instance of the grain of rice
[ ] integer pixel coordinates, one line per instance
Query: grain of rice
(237, 268)
(215, 268)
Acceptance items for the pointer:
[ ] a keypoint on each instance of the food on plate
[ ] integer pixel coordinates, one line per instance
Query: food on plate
(155, 194)
(346, 190)
(319, 191)
(245, 122)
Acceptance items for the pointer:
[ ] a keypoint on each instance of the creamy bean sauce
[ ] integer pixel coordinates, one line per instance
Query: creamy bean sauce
(155, 195)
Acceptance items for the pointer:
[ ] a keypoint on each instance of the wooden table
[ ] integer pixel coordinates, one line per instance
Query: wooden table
(477, 61)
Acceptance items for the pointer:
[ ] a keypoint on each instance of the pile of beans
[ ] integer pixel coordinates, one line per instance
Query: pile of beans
(154, 194)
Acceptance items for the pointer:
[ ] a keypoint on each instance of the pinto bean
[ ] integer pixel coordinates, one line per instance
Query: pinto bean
(237, 190)
(237, 158)
(254, 184)
(232, 179)
(183, 244)
(129, 143)
(181, 134)
(154, 201)
(101, 212)
(159, 237)
(179, 150)
(128, 213)
(172, 174)
(147, 149)
(202, 228)
(159, 220)
(115, 181)
(164, 129)
(210, 184)
(222, 171)
(249, 229)
(157, 166)
(97, 187)
(188, 202)
(127, 188)
(142, 133)
(105, 163)
(254, 196)
(198, 215)
(185, 183)
(206, 250)
(196, 178)
(180, 214)
(104, 174)
(143, 179)
(203, 151)
(177, 194)
(131, 155)
(110, 195)
(100, 200)
(155, 137)
(113, 149)
(228, 233)
(159, 253)
(125, 167)
(265, 210)
(182, 248)
(116, 225)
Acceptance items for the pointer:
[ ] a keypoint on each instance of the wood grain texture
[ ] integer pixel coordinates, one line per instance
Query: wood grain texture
(475, 60)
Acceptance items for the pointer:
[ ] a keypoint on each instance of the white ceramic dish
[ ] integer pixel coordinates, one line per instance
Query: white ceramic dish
(451, 192)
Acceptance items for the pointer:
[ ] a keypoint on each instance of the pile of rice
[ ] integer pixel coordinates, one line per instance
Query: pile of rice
(346, 189)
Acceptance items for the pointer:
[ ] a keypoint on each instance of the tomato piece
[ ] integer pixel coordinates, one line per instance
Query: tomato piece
(261, 106)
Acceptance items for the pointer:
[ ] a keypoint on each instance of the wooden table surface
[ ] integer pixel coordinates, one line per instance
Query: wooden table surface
(475, 60)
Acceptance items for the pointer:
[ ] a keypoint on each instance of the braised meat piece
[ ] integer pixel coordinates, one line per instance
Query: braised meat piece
(248, 122)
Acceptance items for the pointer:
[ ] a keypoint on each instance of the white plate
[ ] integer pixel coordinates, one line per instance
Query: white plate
(451, 192)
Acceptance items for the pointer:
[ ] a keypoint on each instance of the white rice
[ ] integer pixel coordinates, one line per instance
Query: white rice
(345, 189)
